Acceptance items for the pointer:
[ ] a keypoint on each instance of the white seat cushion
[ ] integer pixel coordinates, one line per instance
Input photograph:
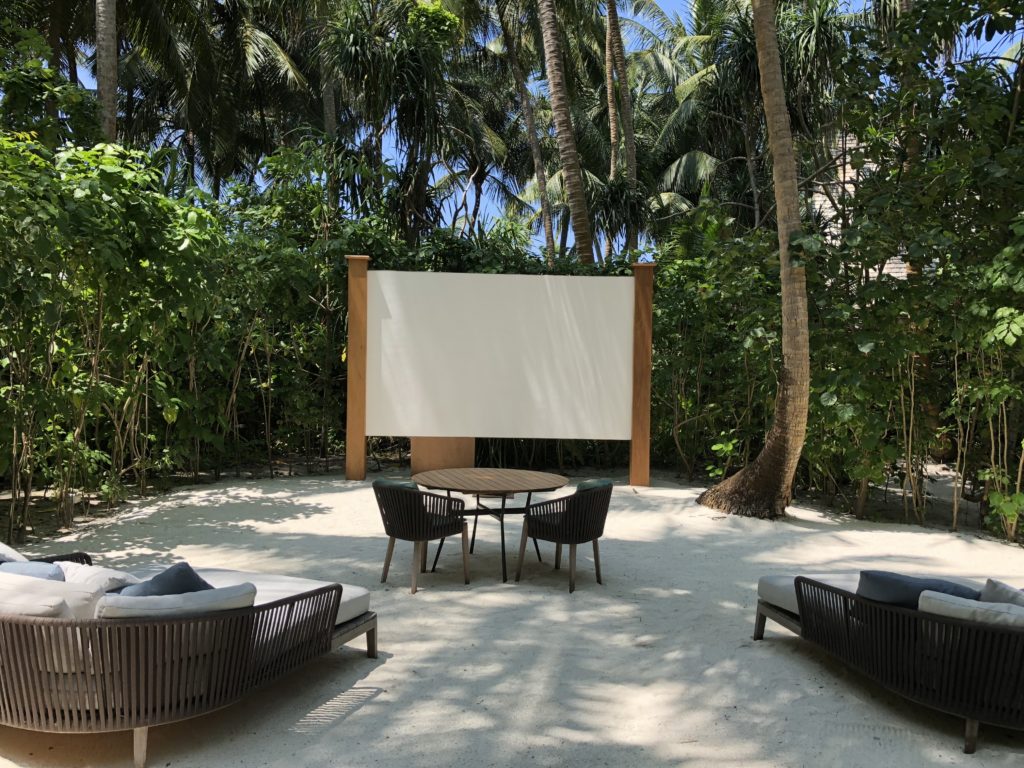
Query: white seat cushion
(10, 555)
(271, 587)
(170, 606)
(997, 614)
(43, 606)
(780, 589)
(80, 599)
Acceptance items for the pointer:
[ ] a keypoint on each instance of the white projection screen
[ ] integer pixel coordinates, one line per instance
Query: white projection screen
(470, 355)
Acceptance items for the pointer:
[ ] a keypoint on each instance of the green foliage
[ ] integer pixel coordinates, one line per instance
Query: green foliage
(149, 327)
(144, 333)
(908, 368)
(430, 23)
(34, 98)
(106, 283)
(716, 342)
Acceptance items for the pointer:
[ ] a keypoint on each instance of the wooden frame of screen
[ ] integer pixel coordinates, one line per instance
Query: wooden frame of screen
(435, 453)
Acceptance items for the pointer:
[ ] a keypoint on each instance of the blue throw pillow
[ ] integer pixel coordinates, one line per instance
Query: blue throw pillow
(176, 580)
(589, 485)
(897, 589)
(49, 571)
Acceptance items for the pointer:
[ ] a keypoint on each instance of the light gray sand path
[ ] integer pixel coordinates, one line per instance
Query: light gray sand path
(655, 668)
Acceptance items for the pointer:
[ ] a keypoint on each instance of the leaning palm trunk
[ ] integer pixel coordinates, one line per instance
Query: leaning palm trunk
(106, 66)
(764, 487)
(613, 121)
(625, 110)
(571, 172)
(534, 140)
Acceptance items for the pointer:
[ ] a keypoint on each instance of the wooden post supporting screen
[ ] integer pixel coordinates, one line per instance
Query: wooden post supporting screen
(643, 310)
(355, 404)
(442, 453)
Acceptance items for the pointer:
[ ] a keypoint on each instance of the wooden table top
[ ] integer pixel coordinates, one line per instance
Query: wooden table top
(482, 480)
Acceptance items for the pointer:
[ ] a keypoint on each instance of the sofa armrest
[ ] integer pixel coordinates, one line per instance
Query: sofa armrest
(70, 557)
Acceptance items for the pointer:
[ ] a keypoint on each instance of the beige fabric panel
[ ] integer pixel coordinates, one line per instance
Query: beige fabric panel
(454, 355)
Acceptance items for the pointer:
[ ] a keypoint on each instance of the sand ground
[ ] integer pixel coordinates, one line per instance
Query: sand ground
(654, 668)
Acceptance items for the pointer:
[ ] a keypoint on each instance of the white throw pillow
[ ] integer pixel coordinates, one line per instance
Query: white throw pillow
(95, 576)
(9, 555)
(81, 599)
(169, 606)
(997, 614)
(1000, 592)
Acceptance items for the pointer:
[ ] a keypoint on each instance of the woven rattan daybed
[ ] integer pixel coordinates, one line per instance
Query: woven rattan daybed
(86, 676)
(964, 668)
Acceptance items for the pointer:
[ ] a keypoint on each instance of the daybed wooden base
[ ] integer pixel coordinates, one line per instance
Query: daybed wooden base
(970, 670)
(366, 624)
(780, 616)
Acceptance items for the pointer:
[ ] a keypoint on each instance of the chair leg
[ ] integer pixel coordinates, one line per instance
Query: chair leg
(440, 544)
(759, 621)
(140, 739)
(465, 551)
(536, 546)
(371, 643)
(572, 568)
(970, 737)
(423, 557)
(522, 548)
(504, 566)
(558, 556)
(472, 542)
(387, 559)
(415, 563)
(597, 562)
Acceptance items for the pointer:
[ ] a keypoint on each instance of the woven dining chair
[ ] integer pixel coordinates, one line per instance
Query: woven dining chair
(412, 515)
(571, 520)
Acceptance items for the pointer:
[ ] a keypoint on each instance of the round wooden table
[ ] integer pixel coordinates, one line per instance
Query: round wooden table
(481, 481)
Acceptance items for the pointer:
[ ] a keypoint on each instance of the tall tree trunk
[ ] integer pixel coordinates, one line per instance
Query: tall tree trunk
(329, 111)
(479, 177)
(572, 174)
(531, 134)
(613, 112)
(72, 57)
(613, 119)
(330, 108)
(106, 66)
(327, 83)
(563, 235)
(625, 111)
(755, 195)
(53, 38)
(764, 487)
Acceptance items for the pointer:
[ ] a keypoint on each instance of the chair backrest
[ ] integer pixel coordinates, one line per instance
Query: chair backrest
(586, 511)
(411, 514)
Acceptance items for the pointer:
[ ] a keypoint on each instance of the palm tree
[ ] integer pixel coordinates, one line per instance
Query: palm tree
(764, 488)
(328, 85)
(511, 41)
(215, 82)
(625, 112)
(562, 117)
(613, 115)
(106, 66)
